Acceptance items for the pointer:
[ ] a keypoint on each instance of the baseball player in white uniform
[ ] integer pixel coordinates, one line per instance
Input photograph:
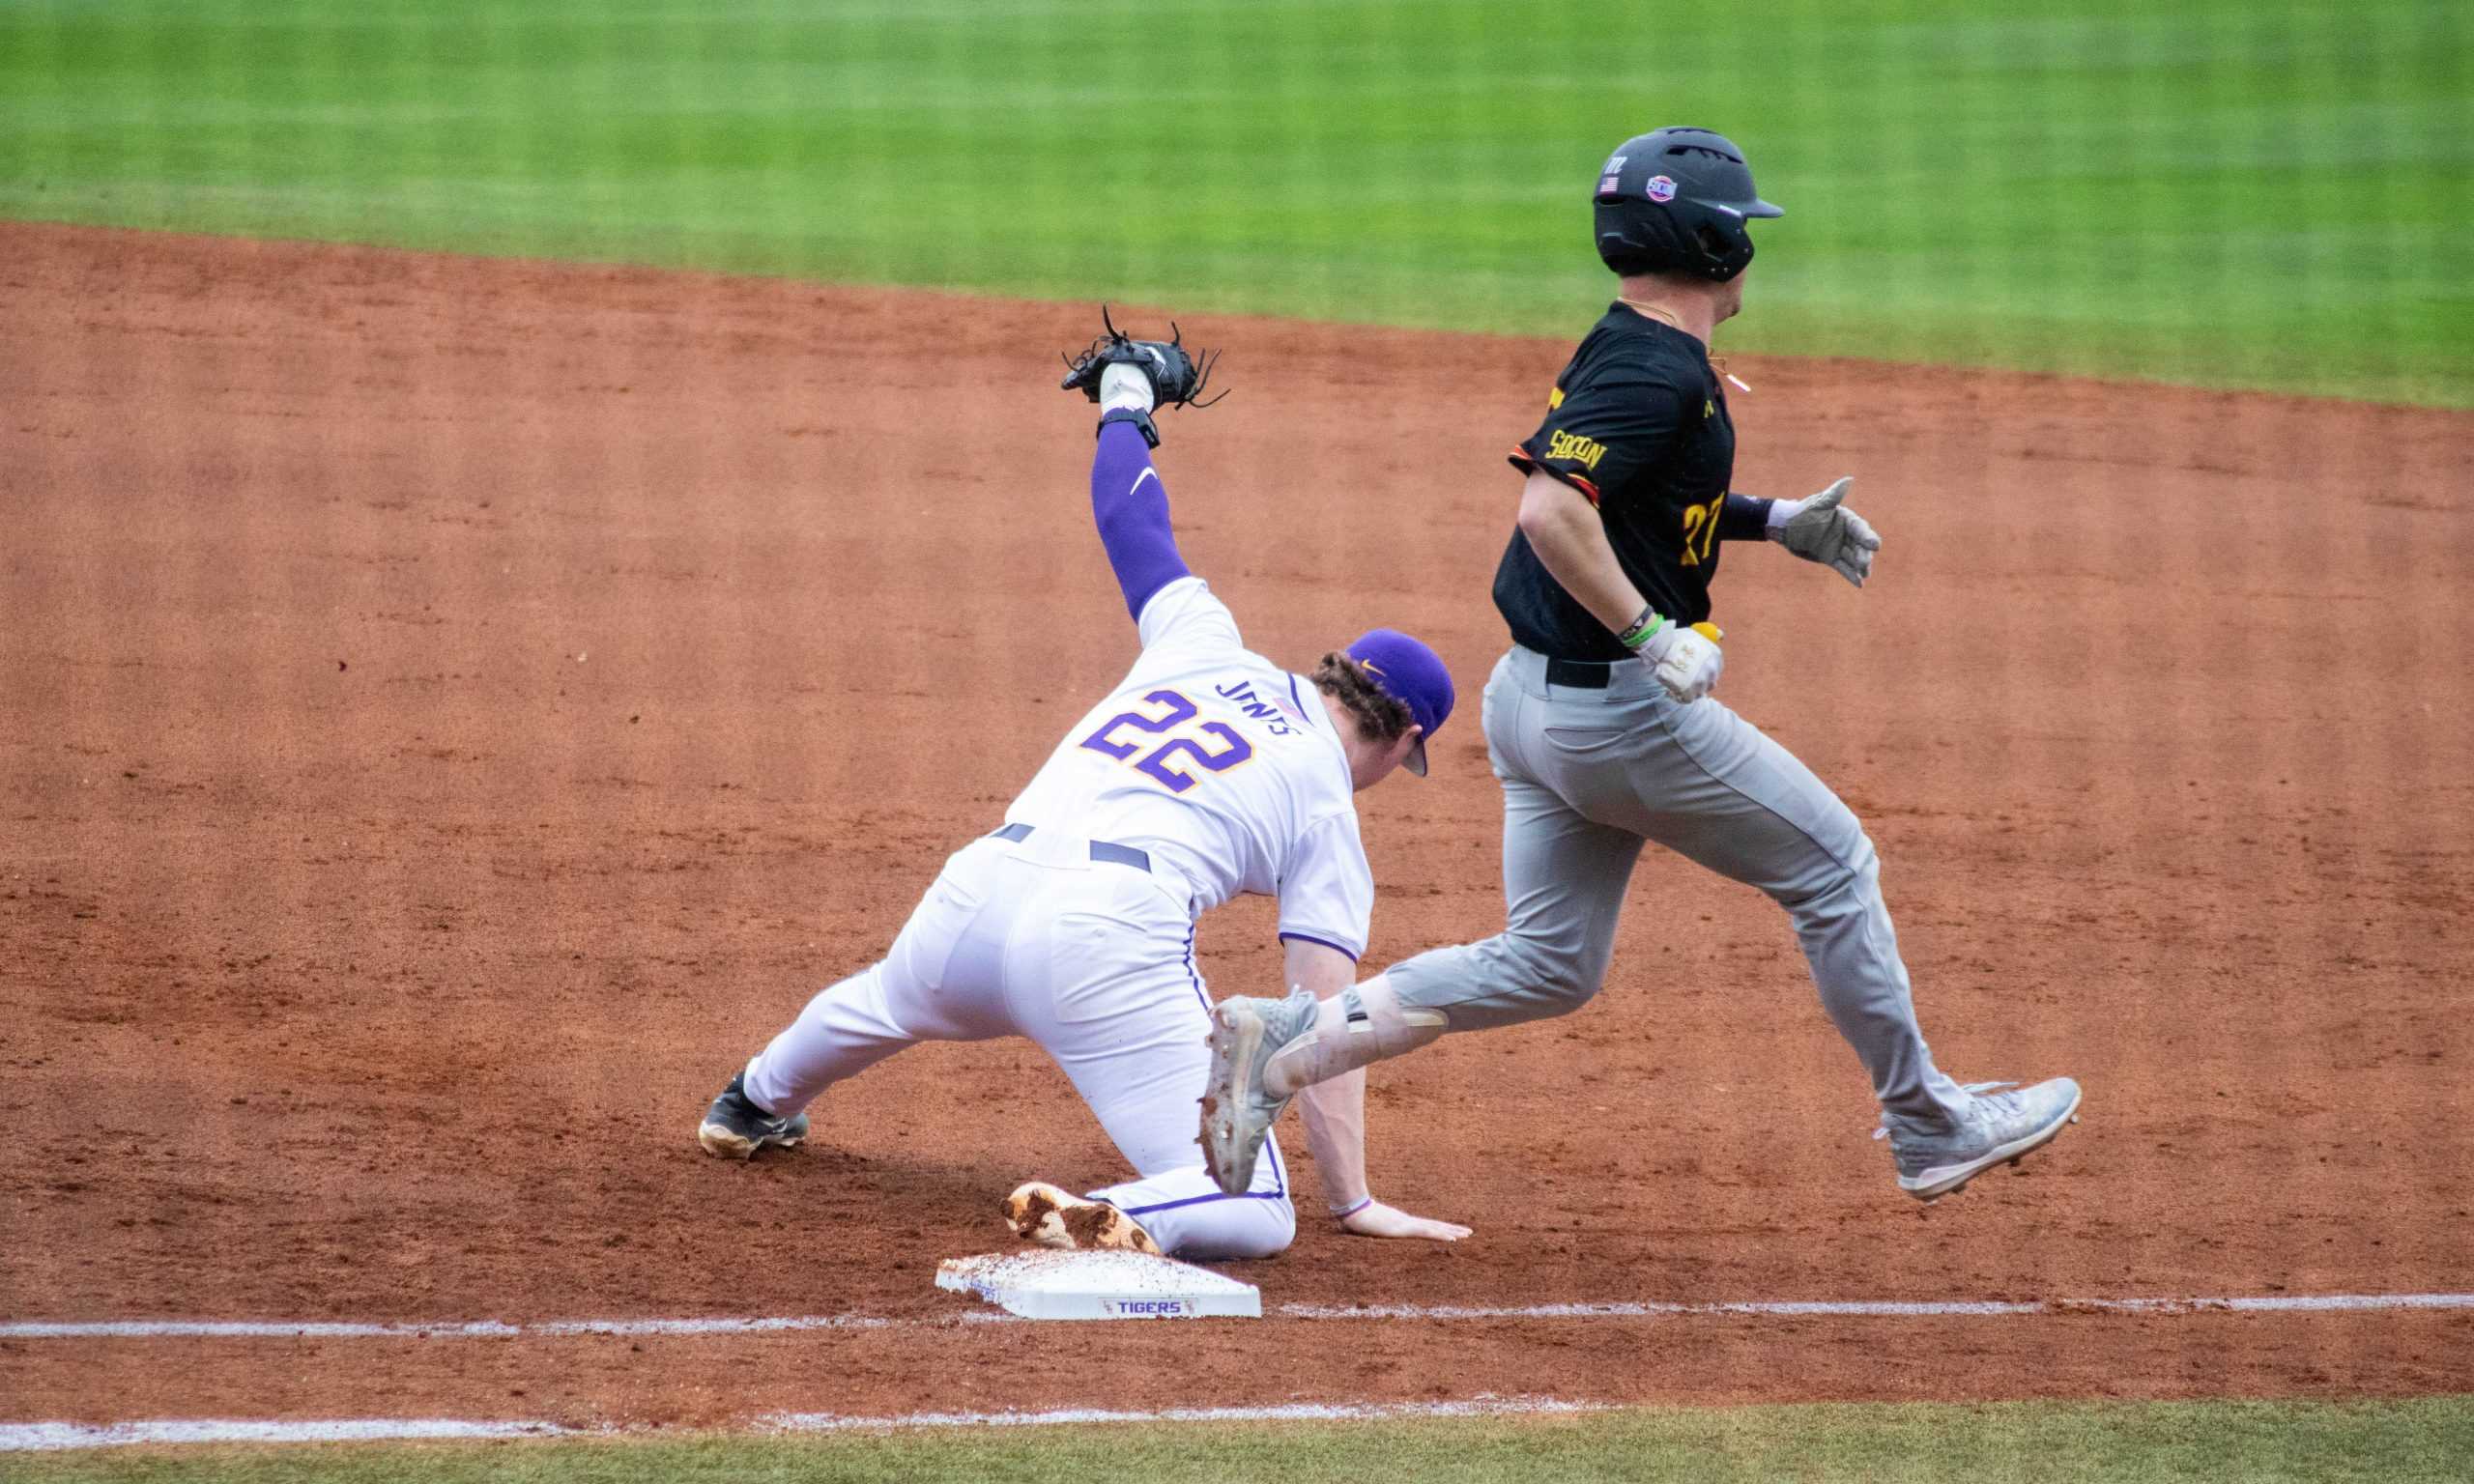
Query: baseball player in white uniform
(1207, 773)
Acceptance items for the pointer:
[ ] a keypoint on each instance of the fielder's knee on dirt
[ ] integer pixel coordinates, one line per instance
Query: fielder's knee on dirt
(1227, 1228)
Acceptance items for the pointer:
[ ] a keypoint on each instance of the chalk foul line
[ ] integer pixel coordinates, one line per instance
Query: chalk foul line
(1854, 1308)
(1893, 1308)
(50, 1437)
(1295, 1412)
(62, 1436)
(59, 1436)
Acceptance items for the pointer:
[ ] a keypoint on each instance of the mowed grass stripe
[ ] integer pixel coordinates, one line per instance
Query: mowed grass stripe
(2264, 1443)
(2224, 192)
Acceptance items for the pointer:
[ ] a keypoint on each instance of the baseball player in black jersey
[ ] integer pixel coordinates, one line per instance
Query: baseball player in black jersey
(1598, 724)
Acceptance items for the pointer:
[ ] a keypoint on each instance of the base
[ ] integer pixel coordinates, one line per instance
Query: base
(1099, 1285)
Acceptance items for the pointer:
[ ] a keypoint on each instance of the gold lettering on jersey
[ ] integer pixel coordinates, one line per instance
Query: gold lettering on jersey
(1584, 451)
(1554, 399)
(1708, 408)
(1701, 522)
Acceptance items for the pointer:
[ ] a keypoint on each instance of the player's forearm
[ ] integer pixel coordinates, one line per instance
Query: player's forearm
(1131, 507)
(1569, 540)
(1745, 518)
(1334, 1112)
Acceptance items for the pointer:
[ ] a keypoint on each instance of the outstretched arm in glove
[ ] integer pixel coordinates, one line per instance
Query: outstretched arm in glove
(1128, 378)
(1334, 1116)
(1131, 507)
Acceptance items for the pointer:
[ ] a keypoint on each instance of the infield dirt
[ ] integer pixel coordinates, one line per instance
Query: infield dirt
(457, 709)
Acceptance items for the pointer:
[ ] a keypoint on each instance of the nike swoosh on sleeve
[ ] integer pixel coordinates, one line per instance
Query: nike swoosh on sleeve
(1147, 473)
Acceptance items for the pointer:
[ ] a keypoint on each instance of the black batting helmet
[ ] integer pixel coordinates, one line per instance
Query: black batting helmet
(1675, 201)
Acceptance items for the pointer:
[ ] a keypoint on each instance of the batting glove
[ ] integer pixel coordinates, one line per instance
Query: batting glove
(1685, 661)
(1819, 529)
(1126, 387)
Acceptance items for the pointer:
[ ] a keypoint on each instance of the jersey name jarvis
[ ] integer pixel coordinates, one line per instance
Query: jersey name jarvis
(1223, 768)
(1638, 424)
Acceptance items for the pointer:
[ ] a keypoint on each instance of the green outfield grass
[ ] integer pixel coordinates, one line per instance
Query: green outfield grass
(2258, 1443)
(2235, 192)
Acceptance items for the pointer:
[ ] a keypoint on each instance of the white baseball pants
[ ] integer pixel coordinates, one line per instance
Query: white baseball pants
(1094, 961)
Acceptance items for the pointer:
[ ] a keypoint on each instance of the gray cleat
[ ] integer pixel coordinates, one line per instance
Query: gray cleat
(1936, 1159)
(734, 1127)
(1237, 1113)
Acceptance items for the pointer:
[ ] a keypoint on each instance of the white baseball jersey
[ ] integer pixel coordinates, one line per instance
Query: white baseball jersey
(1223, 766)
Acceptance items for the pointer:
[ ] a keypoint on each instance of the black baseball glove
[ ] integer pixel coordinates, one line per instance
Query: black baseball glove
(1177, 376)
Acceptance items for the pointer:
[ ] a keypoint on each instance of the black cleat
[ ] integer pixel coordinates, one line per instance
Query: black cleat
(736, 1128)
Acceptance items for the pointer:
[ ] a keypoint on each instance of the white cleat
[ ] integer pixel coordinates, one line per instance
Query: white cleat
(1936, 1159)
(1237, 1114)
(1054, 1216)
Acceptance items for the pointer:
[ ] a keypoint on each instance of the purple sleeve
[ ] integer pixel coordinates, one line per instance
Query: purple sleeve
(1744, 518)
(1131, 507)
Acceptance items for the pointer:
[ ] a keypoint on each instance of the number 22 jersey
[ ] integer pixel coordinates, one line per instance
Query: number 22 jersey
(1223, 768)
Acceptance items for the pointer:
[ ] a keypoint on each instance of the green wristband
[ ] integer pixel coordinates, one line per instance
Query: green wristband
(1645, 628)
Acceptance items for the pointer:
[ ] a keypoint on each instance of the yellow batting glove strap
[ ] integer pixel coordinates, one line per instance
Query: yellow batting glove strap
(1710, 631)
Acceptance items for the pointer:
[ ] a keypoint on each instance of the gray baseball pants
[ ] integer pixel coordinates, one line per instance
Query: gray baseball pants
(1588, 776)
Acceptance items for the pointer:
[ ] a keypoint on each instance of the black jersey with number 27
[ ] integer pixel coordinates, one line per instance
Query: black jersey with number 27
(1638, 424)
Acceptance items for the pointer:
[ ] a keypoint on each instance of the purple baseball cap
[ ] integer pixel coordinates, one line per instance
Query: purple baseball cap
(1412, 674)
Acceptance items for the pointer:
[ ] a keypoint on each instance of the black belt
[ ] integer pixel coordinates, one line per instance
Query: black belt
(1581, 675)
(1101, 850)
